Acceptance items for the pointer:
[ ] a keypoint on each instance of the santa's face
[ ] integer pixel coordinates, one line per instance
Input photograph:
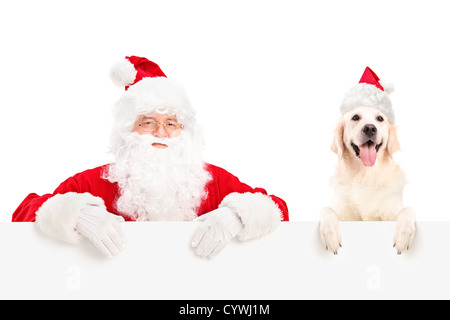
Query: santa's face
(159, 125)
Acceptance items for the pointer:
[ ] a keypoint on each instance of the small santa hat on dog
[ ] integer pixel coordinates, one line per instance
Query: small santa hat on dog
(370, 92)
(147, 90)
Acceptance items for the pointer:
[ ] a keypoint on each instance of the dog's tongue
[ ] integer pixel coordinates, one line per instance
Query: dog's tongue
(368, 154)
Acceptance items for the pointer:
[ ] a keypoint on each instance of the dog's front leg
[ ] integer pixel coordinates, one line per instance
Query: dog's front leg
(329, 229)
(405, 229)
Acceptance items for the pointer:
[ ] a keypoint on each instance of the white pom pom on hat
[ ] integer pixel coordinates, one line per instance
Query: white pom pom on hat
(370, 92)
(387, 86)
(123, 73)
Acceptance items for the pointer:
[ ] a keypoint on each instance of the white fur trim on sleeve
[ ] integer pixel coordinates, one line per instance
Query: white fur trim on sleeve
(259, 214)
(58, 215)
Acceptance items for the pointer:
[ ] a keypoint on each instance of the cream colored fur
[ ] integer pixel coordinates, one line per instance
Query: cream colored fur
(366, 193)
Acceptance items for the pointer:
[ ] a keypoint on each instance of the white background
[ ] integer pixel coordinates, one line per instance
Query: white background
(266, 79)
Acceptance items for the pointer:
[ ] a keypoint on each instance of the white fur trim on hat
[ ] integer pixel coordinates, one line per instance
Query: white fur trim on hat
(58, 215)
(123, 73)
(158, 94)
(259, 214)
(367, 95)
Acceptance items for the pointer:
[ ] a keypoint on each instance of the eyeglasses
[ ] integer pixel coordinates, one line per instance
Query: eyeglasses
(150, 126)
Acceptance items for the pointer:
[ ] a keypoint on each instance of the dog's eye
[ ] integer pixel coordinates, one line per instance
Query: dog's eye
(380, 119)
(355, 117)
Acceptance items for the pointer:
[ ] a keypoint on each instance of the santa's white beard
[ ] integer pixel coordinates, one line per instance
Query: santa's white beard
(159, 184)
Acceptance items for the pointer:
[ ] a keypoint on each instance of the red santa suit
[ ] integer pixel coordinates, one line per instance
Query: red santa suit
(259, 212)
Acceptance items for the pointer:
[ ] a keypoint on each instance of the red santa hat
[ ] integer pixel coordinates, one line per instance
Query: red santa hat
(370, 92)
(147, 89)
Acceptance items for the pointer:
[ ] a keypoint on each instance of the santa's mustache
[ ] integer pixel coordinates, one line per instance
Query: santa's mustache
(150, 139)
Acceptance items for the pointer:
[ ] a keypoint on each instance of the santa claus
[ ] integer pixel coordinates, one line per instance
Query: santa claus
(158, 174)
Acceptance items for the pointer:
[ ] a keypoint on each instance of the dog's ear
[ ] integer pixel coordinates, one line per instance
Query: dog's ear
(393, 145)
(337, 146)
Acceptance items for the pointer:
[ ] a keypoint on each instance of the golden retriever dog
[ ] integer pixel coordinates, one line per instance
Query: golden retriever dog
(367, 183)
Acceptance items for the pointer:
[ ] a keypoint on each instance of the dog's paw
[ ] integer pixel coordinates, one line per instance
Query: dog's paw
(329, 232)
(405, 230)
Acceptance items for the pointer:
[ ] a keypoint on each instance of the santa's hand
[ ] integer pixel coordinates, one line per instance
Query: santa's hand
(102, 229)
(218, 228)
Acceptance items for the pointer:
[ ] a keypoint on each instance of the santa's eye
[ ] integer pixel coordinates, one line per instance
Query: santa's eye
(355, 117)
(380, 119)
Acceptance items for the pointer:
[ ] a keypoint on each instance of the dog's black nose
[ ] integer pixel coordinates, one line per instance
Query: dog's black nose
(369, 130)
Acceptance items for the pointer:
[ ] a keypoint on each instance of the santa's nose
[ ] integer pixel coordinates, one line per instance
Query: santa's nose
(160, 132)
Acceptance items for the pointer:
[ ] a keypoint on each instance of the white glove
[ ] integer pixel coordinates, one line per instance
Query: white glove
(102, 229)
(219, 227)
